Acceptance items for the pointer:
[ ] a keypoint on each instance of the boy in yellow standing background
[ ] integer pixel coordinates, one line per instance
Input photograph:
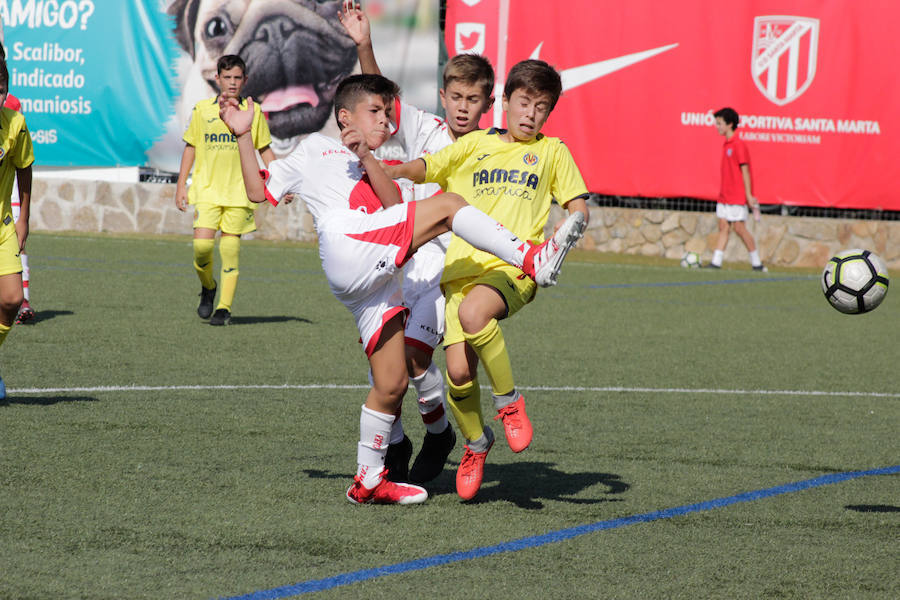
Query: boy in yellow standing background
(217, 190)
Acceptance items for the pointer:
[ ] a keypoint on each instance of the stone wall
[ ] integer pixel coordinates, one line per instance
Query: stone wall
(95, 207)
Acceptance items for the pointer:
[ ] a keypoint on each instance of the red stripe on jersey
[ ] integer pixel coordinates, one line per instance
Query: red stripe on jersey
(387, 316)
(363, 196)
(265, 177)
(399, 235)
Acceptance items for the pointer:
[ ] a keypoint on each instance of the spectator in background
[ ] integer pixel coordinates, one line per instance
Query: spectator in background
(736, 191)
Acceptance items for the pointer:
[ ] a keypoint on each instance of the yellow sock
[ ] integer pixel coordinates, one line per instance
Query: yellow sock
(4, 331)
(203, 261)
(490, 347)
(229, 250)
(465, 404)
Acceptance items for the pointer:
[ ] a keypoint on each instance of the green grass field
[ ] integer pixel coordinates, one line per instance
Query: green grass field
(145, 454)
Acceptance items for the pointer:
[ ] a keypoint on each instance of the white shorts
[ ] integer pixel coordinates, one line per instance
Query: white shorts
(731, 212)
(362, 256)
(422, 295)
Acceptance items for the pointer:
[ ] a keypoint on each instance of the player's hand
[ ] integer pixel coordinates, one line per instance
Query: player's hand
(754, 203)
(236, 119)
(355, 22)
(181, 199)
(287, 198)
(354, 139)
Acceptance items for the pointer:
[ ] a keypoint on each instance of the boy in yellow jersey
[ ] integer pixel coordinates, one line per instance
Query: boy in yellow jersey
(512, 175)
(217, 191)
(468, 84)
(16, 157)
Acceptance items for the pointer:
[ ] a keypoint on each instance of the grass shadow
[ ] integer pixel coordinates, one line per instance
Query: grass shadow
(873, 508)
(46, 315)
(272, 319)
(47, 400)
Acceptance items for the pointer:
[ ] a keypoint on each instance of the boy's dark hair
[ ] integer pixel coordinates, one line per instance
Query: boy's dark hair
(536, 77)
(471, 69)
(729, 115)
(4, 74)
(230, 61)
(352, 89)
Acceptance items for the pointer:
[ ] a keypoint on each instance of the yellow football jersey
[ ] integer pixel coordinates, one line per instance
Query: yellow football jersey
(16, 152)
(514, 182)
(217, 175)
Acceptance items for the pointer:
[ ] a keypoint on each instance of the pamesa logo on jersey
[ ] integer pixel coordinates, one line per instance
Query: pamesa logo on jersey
(530, 159)
(514, 176)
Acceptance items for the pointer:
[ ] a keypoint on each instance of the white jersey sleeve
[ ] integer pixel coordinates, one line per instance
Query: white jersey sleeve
(285, 175)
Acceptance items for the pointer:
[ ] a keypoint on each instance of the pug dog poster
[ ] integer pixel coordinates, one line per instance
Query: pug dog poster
(296, 53)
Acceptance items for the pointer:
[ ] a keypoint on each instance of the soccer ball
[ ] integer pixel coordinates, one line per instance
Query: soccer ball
(691, 260)
(855, 281)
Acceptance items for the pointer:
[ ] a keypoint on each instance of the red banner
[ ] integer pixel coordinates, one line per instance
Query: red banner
(816, 84)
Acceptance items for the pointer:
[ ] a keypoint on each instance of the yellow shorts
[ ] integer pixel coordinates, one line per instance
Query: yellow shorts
(9, 255)
(516, 293)
(236, 220)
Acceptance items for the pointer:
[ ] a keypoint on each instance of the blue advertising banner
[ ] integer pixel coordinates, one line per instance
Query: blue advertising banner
(96, 78)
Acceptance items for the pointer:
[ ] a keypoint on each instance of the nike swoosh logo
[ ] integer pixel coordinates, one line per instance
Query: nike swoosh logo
(455, 399)
(483, 156)
(203, 265)
(577, 76)
(228, 270)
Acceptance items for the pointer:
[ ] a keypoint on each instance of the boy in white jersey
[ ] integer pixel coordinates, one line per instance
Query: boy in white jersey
(468, 82)
(366, 233)
(511, 174)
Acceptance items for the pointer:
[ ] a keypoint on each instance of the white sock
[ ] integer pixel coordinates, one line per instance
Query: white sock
(25, 276)
(486, 234)
(718, 255)
(430, 390)
(374, 436)
(754, 258)
(397, 430)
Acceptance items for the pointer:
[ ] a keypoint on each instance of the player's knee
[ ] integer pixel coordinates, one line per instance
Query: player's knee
(10, 302)
(459, 374)
(472, 317)
(417, 361)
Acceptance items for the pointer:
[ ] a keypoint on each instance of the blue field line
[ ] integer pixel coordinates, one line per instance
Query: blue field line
(319, 585)
(612, 286)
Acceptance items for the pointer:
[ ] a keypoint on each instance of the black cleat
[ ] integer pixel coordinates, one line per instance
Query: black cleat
(221, 317)
(761, 269)
(206, 301)
(431, 458)
(396, 461)
(711, 266)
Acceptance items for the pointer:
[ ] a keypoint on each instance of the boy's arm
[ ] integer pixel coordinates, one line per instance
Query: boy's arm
(240, 122)
(385, 188)
(23, 179)
(579, 204)
(413, 170)
(187, 161)
(356, 24)
(748, 191)
(267, 155)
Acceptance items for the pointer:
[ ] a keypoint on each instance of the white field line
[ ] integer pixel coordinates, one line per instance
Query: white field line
(334, 386)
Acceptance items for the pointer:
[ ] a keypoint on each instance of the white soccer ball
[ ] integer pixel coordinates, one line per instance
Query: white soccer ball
(691, 260)
(855, 281)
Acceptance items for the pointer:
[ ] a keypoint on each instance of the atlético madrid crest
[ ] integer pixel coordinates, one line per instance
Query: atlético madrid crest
(783, 61)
